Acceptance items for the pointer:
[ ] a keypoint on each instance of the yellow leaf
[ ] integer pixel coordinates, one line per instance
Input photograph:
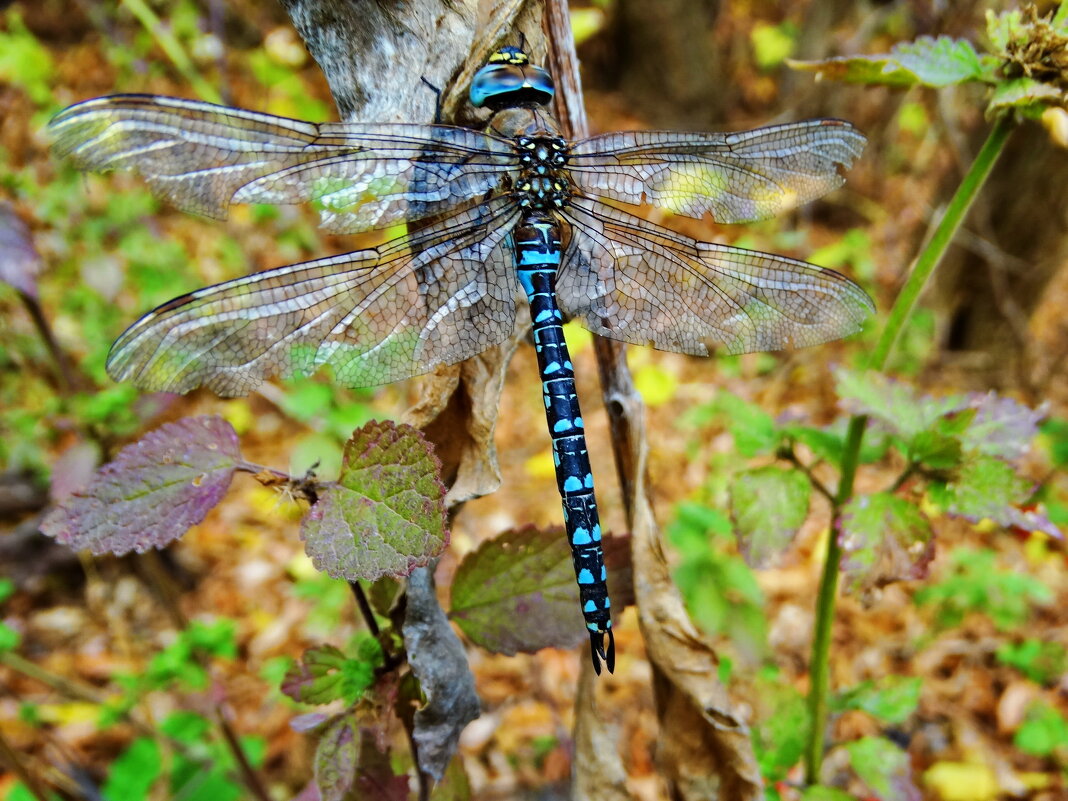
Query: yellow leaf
(962, 781)
(655, 384)
(541, 465)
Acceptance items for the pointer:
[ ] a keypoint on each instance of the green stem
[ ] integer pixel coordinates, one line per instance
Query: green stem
(899, 315)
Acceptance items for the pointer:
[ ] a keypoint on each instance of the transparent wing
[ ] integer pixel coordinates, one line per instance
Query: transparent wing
(204, 157)
(630, 280)
(735, 177)
(439, 295)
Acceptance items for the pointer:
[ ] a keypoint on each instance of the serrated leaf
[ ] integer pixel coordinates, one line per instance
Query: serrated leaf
(153, 491)
(896, 406)
(939, 62)
(891, 699)
(1004, 28)
(986, 487)
(324, 674)
(768, 506)
(336, 755)
(1023, 92)
(878, 70)
(19, 262)
(1001, 426)
(884, 767)
(884, 538)
(517, 593)
(386, 514)
(930, 62)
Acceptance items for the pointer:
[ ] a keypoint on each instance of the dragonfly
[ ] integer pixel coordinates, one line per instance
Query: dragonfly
(473, 221)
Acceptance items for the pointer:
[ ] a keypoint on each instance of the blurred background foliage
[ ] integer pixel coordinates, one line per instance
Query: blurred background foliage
(965, 670)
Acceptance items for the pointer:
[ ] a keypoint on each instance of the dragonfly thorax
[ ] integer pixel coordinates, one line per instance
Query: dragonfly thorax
(543, 183)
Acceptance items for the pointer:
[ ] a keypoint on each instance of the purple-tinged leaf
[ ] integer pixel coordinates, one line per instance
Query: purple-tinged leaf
(517, 593)
(336, 756)
(73, 470)
(19, 262)
(768, 506)
(987, 424)
(884, 768)
(375, 778)
(986, 487)
(1001, 427)
(154, 490)
(884, 539)
(308, 722)
(321, 676)
(440, 664)
(895, 406)
(386, 514)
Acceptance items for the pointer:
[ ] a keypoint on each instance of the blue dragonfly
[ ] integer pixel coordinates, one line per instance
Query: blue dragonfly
(472, 221)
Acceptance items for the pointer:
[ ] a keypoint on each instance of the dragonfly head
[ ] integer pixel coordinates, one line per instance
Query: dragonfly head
(509, 80)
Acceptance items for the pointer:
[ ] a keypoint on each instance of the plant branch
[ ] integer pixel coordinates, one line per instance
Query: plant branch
(903, 307)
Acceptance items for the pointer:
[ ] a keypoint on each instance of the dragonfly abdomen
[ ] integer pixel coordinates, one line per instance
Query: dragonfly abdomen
(537, 248)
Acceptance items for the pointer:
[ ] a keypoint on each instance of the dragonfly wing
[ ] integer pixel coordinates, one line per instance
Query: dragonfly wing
(438, 295)
(203, 158)
(735, 177)
(630, 280)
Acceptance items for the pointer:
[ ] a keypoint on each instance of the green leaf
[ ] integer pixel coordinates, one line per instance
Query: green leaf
(386, 514)
(876, 70)
(825, 443)
(821, 792)
(1055, 435)
(336, 757)
(928, 62)
(935, 450)
(898, 407)
(782, 729)
(1004, 29)
(986, 487)
(1024, 93)
(1044, 731)
(884, 768)
(517, 593)
(976, 585)
(939, 62)
(753, 429)
(768, 506)
(132, 775)
(891, 699)
(1042, 662)
(324, 674)
(884, 539)
(721, 593)
(9, 638)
